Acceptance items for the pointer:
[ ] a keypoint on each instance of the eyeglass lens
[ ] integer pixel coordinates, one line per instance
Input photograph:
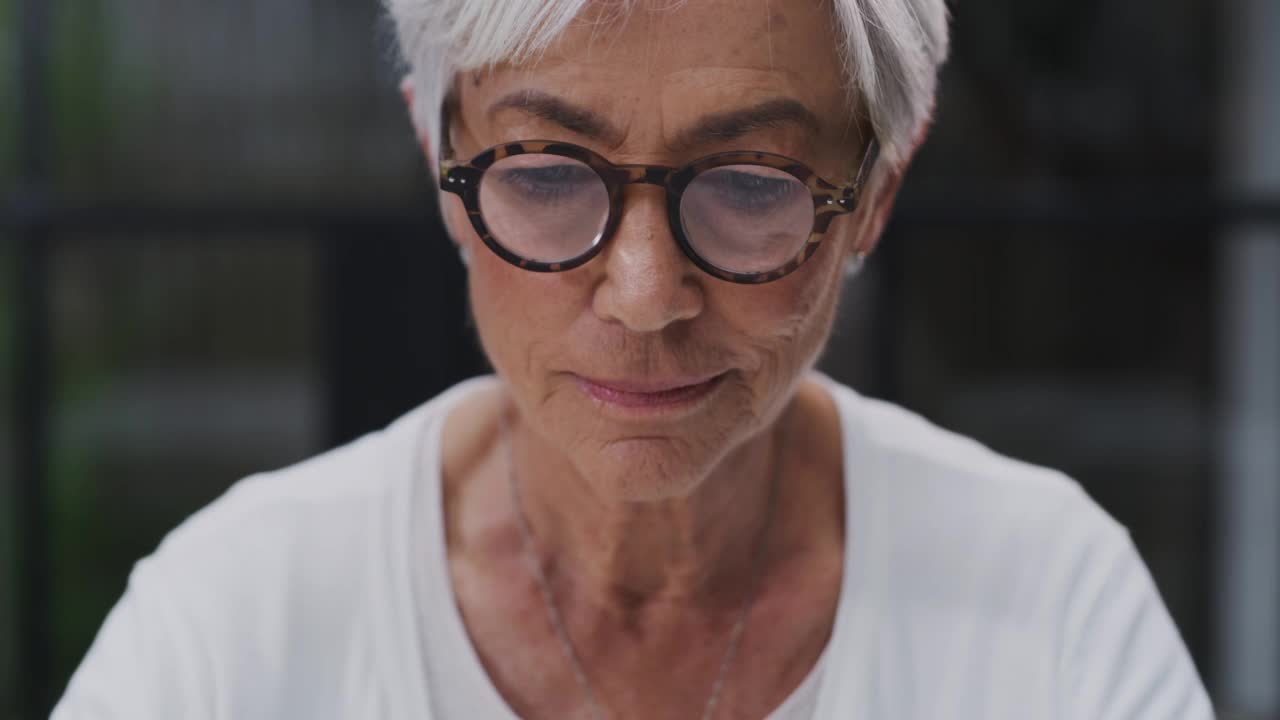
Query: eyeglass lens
(740, 218)
(544, 208)
(746, 218)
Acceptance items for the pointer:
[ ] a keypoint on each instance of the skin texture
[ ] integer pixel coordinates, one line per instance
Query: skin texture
(645, 524)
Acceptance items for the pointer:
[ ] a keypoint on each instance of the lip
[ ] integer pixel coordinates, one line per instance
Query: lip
(649, 393)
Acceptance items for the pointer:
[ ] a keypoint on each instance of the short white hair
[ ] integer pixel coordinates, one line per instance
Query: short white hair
(891, 50)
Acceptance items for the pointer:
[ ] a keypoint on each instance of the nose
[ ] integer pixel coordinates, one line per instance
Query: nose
(648, 282)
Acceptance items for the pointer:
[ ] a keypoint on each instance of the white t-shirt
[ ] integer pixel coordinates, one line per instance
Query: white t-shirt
(975, 586)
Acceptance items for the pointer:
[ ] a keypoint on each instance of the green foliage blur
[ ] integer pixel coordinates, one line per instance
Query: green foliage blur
(81, 111)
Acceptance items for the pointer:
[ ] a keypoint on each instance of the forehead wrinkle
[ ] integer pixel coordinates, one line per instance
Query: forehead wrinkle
(542, 105)
(740, 100)
(727, 125)
(628, 70)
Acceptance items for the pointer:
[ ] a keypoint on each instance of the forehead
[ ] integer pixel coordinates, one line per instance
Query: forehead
(659, 65)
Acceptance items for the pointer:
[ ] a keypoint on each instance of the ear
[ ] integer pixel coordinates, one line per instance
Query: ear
(870, 224)
(424, 142)
(409, 94)
(876, 210)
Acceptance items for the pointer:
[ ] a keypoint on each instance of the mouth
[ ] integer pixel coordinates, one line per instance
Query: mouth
(649, 393)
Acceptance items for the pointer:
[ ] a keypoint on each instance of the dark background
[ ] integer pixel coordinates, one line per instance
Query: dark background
(219, 255)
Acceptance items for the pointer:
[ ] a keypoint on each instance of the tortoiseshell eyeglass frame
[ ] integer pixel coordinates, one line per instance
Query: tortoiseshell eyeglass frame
(829, 199)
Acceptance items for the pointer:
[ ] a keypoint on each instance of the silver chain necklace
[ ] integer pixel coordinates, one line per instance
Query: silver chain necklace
(557, 621)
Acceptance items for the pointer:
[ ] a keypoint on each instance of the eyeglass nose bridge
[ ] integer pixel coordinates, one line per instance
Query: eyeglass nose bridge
(642, 174)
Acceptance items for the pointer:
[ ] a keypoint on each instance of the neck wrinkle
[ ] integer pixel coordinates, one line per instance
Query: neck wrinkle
(695, 551)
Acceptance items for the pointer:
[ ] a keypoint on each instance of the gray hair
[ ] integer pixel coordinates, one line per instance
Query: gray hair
(891, 51)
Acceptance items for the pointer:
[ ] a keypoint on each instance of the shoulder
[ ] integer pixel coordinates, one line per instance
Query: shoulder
(268, 599)
(1007, 574)
(972, 526)
(312, 515)
(284, 553)
(924, 463)
(322, 495)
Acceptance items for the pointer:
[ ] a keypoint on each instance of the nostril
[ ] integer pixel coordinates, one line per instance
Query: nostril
(646, 306)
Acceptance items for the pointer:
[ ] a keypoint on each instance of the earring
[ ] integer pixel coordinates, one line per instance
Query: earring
(854, 264)
(464, 255)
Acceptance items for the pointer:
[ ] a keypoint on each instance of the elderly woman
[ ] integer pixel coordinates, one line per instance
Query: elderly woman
(655, 508)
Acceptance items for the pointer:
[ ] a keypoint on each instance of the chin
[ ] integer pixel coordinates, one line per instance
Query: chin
(646, 469)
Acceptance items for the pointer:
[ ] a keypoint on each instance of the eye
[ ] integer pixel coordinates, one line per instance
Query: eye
(548, 183)
(752, 191)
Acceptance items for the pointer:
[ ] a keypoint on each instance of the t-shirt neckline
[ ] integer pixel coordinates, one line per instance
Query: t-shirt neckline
(432, 584)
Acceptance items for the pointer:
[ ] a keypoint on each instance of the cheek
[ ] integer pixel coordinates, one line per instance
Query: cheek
(521, 316)
(500, 319)
(786, 321)
(505, 324)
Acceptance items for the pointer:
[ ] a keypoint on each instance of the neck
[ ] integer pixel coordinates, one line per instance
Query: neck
(696, 549)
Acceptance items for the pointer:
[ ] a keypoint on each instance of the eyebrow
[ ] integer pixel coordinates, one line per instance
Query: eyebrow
(714, 128)
(733, 124)
(545, 106)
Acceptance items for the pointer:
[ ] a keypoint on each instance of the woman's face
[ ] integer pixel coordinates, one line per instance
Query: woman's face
(639, 368)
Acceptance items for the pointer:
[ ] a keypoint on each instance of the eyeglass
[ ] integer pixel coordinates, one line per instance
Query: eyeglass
(744, 217)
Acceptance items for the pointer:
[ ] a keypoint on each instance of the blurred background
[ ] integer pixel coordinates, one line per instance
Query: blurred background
(219, 255)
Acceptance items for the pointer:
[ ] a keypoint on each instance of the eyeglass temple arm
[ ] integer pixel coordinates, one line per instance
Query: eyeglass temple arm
(869, 159)
(446, 146)
(851, 192)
